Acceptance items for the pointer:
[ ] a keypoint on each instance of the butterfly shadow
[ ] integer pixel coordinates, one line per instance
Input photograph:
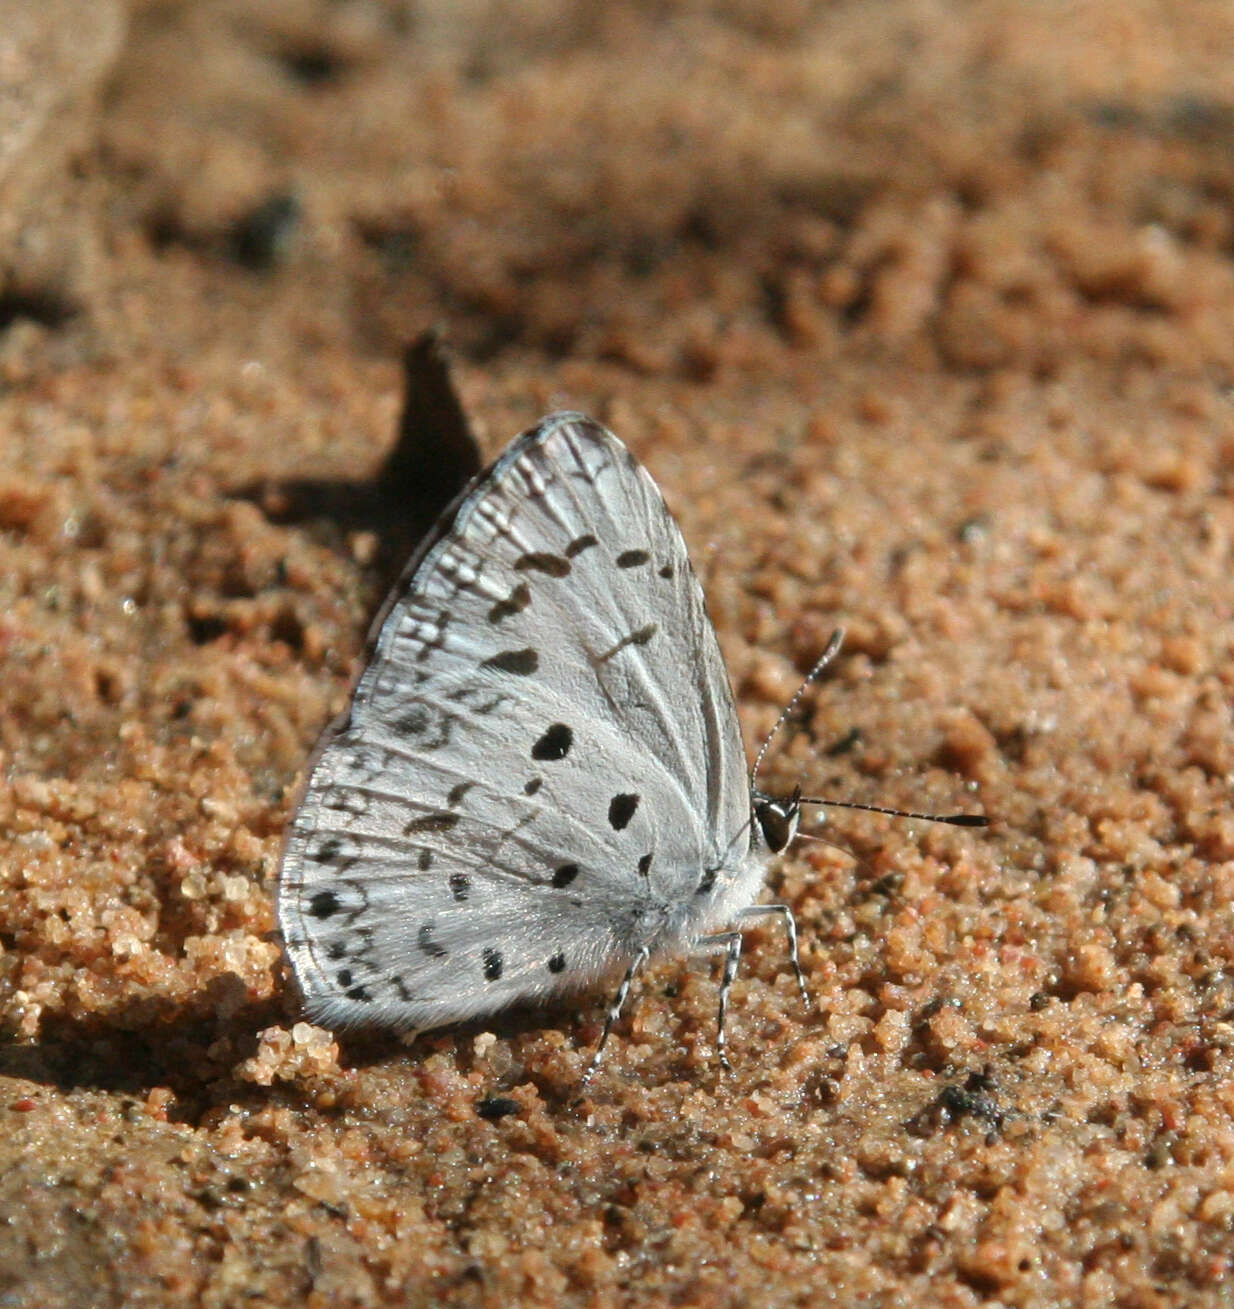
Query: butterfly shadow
(434, 456)
(369, 1047)
(191, 1048)
(194, 1049)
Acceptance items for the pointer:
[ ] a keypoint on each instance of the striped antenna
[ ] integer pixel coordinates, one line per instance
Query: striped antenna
(833, 649)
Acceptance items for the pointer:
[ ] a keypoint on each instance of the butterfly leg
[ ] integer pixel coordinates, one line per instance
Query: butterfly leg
(730, 943)
(790, 928)
(614, 1010)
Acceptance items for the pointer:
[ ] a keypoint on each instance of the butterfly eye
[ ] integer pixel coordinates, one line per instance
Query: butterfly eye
(778, 821)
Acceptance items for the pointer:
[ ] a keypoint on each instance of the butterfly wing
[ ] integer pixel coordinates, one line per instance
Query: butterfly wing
(541, 761)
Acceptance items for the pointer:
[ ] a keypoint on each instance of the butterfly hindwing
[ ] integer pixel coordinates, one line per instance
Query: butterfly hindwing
(541, 761)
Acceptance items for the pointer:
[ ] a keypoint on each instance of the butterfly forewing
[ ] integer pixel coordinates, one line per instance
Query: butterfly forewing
(541, 760)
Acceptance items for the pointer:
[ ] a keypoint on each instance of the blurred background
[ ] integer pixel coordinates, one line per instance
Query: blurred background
(675, 188)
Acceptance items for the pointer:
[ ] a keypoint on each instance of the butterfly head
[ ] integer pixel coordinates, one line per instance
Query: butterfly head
(777, 819)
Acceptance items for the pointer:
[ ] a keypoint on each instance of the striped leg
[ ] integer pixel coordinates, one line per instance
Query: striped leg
(790, 928)
(730, 942)
(614, 1010)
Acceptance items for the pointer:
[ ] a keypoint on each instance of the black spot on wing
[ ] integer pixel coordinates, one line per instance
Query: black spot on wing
(632, 558)
(540, 561)
(644, 864)
(430, 728)
(360, 993)
(532, 785)
(554, 744)
(514, 603)
(440, 822)
(460, 886)
(565, 875)
(457, 792)
(522, 662)
(621, 809)
(493, 963)
(324, 904)
(579, 544)
(424, 939)
(706, 882)
(478, 700)
(641, 637)
(413, 722)
(345, 800)
(557, 963)
(327, 851)
(666, 570)
(425, 860)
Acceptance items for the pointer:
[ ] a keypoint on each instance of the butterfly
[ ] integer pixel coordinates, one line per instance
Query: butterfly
(540, 782)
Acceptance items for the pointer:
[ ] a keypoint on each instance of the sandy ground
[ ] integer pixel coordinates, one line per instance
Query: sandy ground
(922, 314)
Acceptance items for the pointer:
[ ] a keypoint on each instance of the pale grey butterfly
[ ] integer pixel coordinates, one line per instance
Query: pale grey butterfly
(540, 780)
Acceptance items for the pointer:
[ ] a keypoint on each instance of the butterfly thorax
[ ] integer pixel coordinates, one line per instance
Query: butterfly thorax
(727, 884)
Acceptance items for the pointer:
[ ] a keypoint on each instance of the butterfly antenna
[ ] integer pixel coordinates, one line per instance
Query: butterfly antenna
(956, 820)
(833, 649)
